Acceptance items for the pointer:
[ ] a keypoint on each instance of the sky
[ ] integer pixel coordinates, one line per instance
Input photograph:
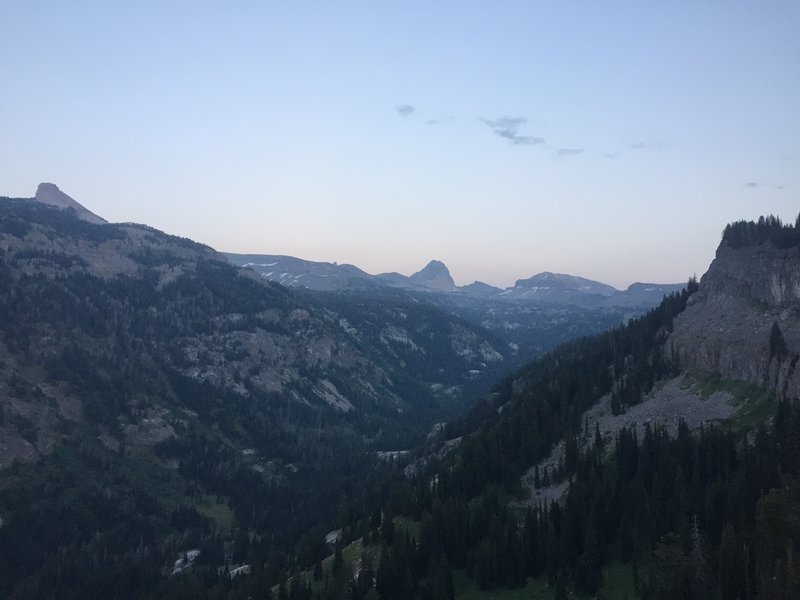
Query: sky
(611, 140)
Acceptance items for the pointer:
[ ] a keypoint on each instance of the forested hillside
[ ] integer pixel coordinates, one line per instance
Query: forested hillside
(704, 514)
(465, 493)
(156, 400)
(707, 514)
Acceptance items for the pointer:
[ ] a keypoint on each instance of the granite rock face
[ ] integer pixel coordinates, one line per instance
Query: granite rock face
(727, 325)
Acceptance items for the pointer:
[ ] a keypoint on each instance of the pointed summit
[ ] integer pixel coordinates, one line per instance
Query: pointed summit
(435, 276)
(48, 193)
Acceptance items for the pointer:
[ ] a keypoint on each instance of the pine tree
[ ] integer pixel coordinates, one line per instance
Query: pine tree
(777, 344)
(702, 569)
(731, 565)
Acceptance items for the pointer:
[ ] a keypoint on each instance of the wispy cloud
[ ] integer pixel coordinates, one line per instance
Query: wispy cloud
(404, 110)
(759, 184)
(439, 120)
(610, 155)
(508, 128)
(647, 146)
(570, 151)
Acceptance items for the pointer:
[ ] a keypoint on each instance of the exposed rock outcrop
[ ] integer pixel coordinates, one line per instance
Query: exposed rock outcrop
(48, 193)
(728, 323)
(434, 276)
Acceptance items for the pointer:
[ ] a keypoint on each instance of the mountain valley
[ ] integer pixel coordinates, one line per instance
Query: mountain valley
(534, 315)
(177, 422)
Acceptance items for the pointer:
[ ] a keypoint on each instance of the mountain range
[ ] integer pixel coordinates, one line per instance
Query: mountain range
(173, 425)
(543, 288)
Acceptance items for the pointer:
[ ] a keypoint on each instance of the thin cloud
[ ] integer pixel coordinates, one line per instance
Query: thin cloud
(570, 151)
(647, 146)
(508, 128)
(610, 155)
(759, 184)
(404, 110)
(439, 121)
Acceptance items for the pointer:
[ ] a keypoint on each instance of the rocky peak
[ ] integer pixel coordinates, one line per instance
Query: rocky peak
(436, 276)
(48, 193)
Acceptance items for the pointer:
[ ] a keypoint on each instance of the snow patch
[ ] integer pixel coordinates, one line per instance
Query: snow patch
(252, 264)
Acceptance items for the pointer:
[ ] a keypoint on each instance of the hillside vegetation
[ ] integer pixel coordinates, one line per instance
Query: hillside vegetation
(155, 400)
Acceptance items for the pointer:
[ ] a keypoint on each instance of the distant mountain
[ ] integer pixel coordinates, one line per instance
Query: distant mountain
(434, 276)
(543, 288)
(393, 279)
(532, 317)
(325, 276)
(480, 289)
(560, 289)
(48, 193)
(295, 272)
(643, 294)
(557, 288)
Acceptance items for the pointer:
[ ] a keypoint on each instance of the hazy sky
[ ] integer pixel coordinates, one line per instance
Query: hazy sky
(611, 140)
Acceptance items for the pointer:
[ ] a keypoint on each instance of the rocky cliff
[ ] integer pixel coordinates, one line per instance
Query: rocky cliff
(744, 321)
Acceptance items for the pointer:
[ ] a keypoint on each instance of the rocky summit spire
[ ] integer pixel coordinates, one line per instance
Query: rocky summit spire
(48, 193)
(435, 276)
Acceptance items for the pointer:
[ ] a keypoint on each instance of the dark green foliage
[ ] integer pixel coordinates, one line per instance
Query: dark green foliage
(79, 535)
(709, 515)
(766, 229)
(777, 345)
(18, 213)
(733, 564)
(59, 260)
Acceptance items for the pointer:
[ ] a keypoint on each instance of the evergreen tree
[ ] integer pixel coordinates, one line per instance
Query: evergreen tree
(777, 344)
